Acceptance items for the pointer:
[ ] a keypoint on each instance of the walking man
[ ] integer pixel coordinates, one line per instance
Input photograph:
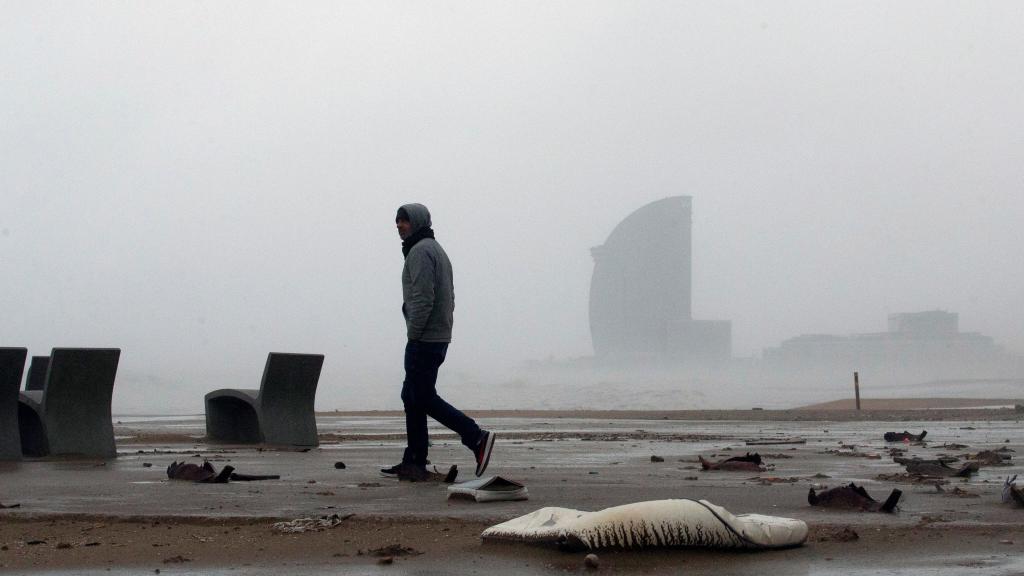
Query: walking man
(428, 303)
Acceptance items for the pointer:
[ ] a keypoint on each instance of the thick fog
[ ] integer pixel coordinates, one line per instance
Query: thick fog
(200, 183)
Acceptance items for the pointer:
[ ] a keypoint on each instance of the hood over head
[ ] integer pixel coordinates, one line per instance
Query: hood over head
(416, 214)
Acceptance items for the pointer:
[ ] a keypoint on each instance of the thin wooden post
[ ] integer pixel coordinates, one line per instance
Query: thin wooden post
(856, 388)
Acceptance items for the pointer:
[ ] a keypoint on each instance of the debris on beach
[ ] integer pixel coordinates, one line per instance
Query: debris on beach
(253, 477)
(205, 473)
(774, 441)
(769, 480)
(390, 551)
(316, 524)
(489, 489)
(659, 523)
(591, 562)
(3, 506)
(910, 478)
(904, 436)
(657, 458)
(748, 463)
(939, 461)
(850, 450)
(1011, 493)
(956, 491)
(940, 470)
(989, 458)
(852, 497)
(448, 477)
(339, 465)
(836, 534)
(208, 474)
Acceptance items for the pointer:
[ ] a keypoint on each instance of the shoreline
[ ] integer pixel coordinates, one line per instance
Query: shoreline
(921, 412)
(872, 408)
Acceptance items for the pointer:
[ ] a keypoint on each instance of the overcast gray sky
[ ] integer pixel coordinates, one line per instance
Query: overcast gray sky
(199, 183)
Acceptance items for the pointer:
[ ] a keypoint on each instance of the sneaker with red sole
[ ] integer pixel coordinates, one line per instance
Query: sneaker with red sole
(484, 447)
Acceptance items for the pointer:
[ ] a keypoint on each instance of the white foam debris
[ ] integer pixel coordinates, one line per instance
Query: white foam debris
(657, 523)
(310, 524)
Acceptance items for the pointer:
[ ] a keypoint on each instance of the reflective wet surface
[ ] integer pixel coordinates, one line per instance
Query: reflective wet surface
(568, 462)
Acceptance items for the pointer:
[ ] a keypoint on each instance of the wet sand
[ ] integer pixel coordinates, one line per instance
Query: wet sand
(453, 546)
(121, 514)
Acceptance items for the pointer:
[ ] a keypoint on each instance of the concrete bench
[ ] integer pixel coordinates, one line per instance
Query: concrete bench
(37, 373)
(12, 365)
(280, 412)
(71, 414)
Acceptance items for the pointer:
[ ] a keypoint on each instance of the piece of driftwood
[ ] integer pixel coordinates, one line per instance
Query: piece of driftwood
(253, 477)
(748, 463)
(208, 474)
(904, 436)
(940, 461)
(940, 470)
(852, 497)
(989, 458)
(196, 473)
(772, 441)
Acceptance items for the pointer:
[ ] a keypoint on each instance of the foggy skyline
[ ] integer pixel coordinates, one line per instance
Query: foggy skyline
(202, 183)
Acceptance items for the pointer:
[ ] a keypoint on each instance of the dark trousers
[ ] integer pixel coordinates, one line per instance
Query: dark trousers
(419, 395)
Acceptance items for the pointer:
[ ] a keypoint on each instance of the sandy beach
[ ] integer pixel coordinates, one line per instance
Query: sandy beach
(125, 516)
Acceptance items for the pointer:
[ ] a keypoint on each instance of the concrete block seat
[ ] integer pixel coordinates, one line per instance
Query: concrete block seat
(280, 412)
(37, 373)
(71, 414)
(12, 365)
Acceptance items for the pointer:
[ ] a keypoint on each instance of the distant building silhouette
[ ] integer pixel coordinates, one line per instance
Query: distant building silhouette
(917, 345)
(640, 293)
(933, 323)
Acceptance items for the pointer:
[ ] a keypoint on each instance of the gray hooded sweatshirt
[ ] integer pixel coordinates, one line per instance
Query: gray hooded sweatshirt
(428, 292)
